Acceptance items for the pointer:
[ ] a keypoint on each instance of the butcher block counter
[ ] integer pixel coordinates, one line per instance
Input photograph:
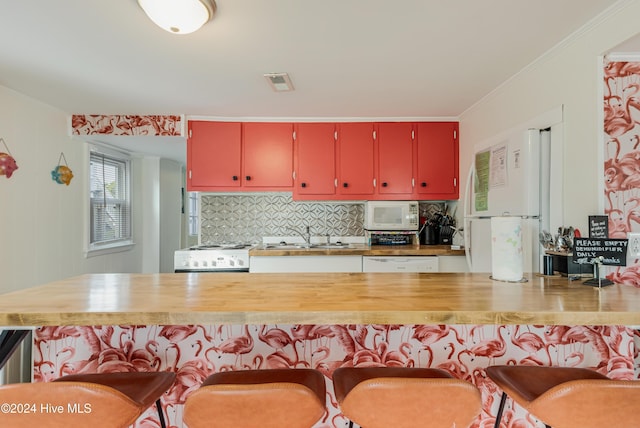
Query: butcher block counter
(359, 250)
(395, 298)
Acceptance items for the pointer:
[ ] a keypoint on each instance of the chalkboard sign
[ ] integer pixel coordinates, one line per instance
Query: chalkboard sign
(612, 251)
(598, 226)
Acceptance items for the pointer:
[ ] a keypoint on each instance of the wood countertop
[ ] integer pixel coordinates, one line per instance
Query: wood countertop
(361, 250)
(360, 298)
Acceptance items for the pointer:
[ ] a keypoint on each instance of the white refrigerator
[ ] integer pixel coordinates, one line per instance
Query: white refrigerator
(509, 176)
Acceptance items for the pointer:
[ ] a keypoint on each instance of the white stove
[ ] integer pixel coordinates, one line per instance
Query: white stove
(213, 258)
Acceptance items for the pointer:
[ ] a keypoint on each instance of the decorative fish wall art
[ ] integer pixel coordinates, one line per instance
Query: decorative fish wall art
(7, 162)
(62, 174)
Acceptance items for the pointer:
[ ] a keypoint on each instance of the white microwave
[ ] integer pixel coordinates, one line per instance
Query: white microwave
(391, 215)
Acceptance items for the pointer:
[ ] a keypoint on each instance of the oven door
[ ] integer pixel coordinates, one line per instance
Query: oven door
(238, 270)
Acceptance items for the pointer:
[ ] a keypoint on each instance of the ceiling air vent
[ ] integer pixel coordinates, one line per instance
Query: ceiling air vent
(279, 82)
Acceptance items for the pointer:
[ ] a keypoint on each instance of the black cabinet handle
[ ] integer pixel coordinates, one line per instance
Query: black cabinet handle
(235, 178)
(345, 184)
(423, 184)
(248, 178)
(303, 184)
(385, 184)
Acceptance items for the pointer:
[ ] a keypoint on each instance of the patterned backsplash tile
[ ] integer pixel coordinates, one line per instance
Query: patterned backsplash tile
(226, 218)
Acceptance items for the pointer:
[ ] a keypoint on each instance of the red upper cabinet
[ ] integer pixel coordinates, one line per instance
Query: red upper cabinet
(355, 160)
(349, 161)
(437, 156)
(234, 156)
(395, 159)
(315, 161)
(213, 155)
(267, 155)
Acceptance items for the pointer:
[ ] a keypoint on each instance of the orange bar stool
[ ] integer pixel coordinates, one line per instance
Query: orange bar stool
(567, 397)
(382, 397)
(258, 399)
(109, 400)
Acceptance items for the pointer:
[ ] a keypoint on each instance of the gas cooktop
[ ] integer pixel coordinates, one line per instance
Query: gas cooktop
(220, 247)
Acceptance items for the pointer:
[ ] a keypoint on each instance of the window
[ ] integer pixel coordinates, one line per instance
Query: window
(110, 202)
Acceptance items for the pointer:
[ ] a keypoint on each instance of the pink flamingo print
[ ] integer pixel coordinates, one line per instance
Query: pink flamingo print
(238, 345)
(630, 275)
(44, 371)
(530, 342)
(429, 334)
(274, 337)
(178, 333)
(396, 358)
(320, 363)
(457, 368)
(189, 377)
(491, 348)
(279, 360)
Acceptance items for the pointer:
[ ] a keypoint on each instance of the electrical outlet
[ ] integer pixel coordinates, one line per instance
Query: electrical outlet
(634, 244)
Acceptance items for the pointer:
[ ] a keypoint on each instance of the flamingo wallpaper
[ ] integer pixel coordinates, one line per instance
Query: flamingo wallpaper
(195, 351)
(622, 158)
(128, 125)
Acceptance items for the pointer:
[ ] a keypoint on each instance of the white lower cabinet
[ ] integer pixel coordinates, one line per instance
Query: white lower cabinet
(400, 264)
(453, 264)
(286, 264)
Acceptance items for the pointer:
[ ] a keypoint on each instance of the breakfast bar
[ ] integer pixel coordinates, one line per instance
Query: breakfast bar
(356, 298)
(197, 324)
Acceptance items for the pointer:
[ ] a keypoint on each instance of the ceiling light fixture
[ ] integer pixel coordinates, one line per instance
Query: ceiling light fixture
(179, 16)
(280, 82)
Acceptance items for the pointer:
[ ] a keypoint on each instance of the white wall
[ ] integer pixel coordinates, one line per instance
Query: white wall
(162, 206)
(569, 76)
(170, 212)
(42, 222)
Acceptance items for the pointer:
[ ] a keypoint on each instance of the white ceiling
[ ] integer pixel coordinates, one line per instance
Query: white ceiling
(347, 58)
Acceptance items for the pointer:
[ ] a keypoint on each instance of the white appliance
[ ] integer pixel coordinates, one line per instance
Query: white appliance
(400, 264)
(391, 215)
(213, 258)
(509, 176)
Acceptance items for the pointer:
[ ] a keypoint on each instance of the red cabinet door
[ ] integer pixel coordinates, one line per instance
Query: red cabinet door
(267, 155)
(315, 159)
(395, 158)
(437, 153)
(213, 155)
(355, 159)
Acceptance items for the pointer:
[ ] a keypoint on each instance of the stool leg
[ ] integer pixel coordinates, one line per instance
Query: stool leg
(160, 414)
(503, 400)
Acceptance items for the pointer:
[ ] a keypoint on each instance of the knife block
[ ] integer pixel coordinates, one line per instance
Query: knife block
(563, 264)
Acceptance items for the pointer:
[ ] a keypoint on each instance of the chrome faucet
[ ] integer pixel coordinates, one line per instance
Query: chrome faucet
(307, 237)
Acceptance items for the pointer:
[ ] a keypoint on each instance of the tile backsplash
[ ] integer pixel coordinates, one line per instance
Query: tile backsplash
(226, 218)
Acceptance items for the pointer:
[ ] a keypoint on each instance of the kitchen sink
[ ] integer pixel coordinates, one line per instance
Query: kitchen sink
(329, 246)
(285, 246)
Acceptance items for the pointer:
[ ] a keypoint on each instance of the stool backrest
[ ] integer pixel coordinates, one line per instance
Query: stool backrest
(265, 405)
(443, 402)
(590, 403)
(66, 404)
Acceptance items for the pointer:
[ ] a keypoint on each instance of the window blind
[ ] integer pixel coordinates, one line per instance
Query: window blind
(110, 202)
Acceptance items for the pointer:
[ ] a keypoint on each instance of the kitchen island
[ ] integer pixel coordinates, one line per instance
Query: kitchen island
(242, 298)
(197, 324)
